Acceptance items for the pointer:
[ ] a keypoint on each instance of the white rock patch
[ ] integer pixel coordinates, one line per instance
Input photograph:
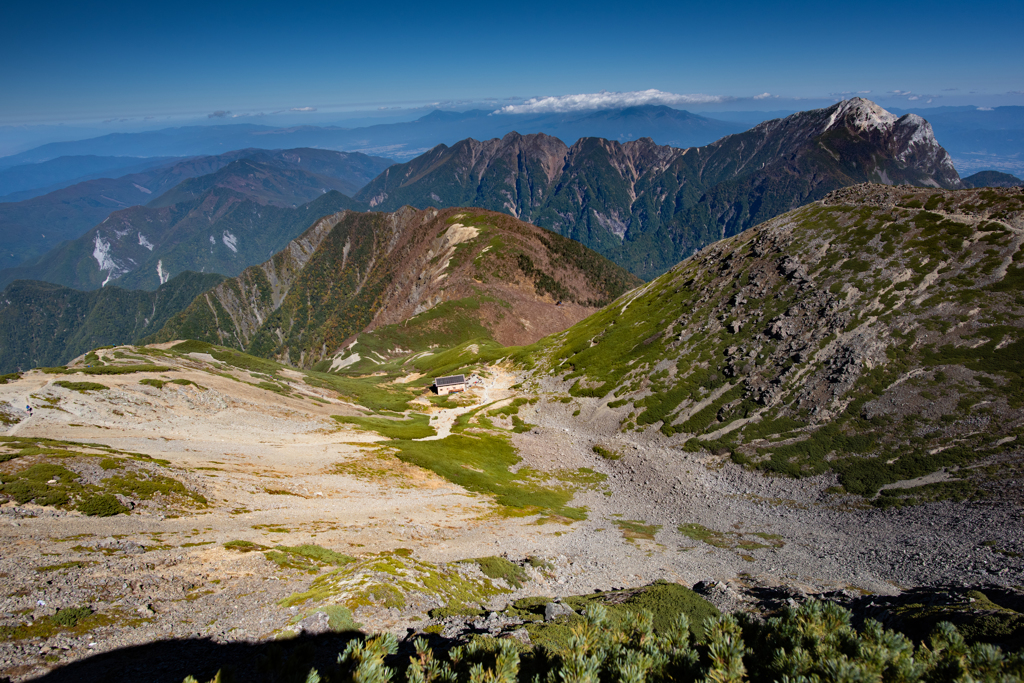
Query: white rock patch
(230, 241)
(340, 363)
(162, 274)
(144, 242)
(105, 260)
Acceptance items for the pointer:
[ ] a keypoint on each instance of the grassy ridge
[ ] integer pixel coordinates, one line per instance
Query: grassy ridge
(732, 350)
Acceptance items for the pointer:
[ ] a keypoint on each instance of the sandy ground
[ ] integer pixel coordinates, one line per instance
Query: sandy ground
(277, 470)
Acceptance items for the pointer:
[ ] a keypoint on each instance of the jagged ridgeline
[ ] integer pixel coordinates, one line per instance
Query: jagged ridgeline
(878, 334)
(411, 280)
(647, 206)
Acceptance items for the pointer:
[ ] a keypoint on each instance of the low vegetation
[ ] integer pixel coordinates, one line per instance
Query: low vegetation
(500, 568)
(731, 539)
(82, 386)
(482, 462)
(416, 427)
(53, 477)
(391, 579)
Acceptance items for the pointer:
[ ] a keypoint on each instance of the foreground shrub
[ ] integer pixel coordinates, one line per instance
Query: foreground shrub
(812, 643)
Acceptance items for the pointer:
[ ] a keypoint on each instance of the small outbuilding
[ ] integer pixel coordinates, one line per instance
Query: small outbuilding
(449, 384)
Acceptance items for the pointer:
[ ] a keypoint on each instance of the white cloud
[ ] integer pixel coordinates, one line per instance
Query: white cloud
(984, 108)
(302, 109)
(763, 96)
(605, 100)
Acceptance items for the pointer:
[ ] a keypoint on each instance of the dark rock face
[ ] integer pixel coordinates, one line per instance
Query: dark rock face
(647, 206)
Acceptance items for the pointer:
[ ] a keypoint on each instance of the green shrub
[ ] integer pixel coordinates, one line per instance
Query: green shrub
(339, 619)
(105, 505)
(318, 553)
(244, 546)
(81, 386)
(500, 568)
(70, 616)
(606, 453)
(123, 369)
(813, 642)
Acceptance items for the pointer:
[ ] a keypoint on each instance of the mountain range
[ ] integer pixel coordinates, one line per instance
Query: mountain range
(221, 231)
(281, 178)
(648, 206)
(18, 183)
(245, 212)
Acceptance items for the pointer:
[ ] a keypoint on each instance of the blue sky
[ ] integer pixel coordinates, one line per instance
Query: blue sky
(86, 61)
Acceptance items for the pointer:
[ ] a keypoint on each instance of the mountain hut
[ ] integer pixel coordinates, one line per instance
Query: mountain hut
(450, 384)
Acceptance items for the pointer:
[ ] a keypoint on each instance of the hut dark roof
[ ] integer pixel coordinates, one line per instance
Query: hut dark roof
(449, 380)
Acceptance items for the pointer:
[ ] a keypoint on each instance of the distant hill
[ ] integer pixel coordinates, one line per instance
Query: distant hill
(399, 281)
(876, 335)
(647, 206)
(31, 180)
(992, 179)
(402, 140)
(30, 228)
(221, 229)
(43, 324)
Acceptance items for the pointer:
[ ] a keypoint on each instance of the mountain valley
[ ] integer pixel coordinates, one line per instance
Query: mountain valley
(826, 405)
(43, 324)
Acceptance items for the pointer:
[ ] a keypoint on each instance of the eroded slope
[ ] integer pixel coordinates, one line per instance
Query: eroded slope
(443, 278)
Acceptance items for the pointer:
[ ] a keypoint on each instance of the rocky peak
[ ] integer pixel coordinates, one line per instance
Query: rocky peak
(859, 114)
